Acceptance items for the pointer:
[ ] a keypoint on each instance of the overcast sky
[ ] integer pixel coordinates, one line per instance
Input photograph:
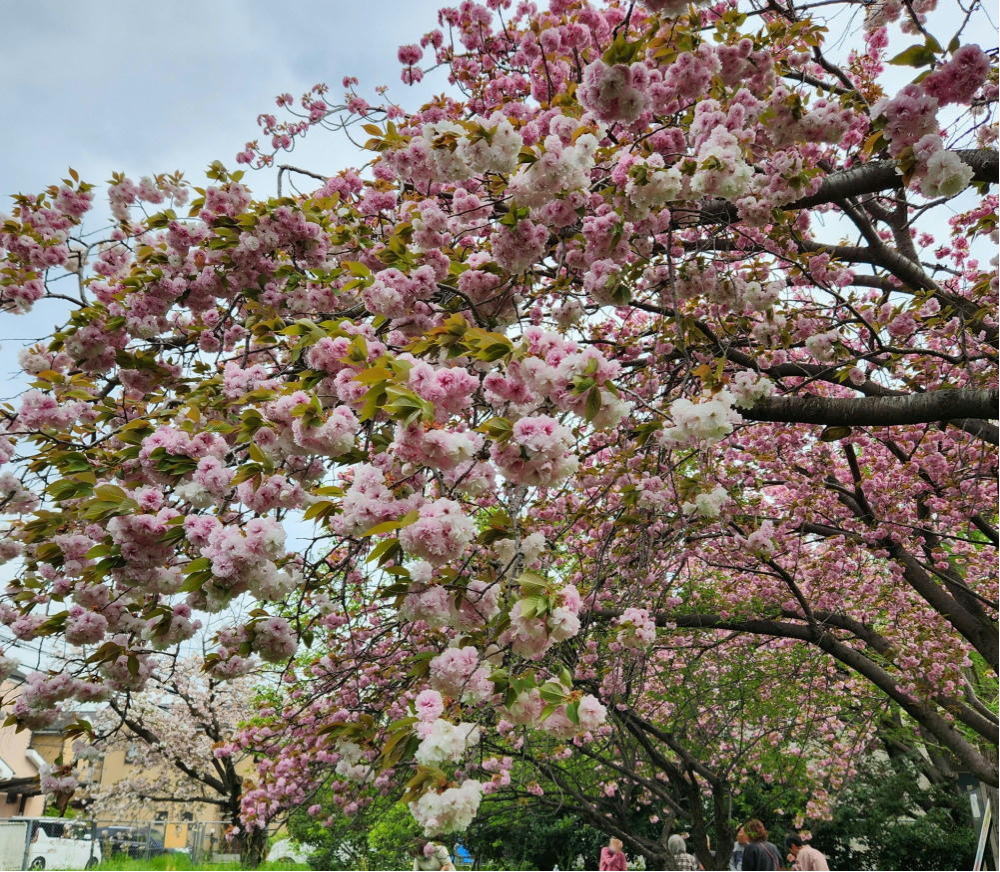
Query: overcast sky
(144, 88)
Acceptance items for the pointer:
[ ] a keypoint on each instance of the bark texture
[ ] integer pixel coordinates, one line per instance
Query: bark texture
(926, 408)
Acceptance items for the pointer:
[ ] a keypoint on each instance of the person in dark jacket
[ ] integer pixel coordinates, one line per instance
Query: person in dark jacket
(760, 854)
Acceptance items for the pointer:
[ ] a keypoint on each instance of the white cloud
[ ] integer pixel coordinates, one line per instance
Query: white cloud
(147, 88)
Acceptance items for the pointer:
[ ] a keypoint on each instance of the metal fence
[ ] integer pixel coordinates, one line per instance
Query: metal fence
(48, 843)
(200, 840)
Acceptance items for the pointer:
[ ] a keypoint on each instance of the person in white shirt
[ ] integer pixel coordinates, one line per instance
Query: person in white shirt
(803, 856)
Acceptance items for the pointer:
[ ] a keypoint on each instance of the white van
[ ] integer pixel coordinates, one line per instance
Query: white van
(62, 843)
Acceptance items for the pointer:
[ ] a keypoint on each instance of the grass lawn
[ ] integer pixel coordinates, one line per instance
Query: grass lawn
(182, 863)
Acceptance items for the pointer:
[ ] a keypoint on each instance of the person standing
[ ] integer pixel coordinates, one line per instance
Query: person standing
(431, 856)
(613, 857)
(760, 854)
(736, 860)
(677, 855)
(805, 857)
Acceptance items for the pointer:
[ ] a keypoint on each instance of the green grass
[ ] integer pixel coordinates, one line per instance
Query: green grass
(181, 863)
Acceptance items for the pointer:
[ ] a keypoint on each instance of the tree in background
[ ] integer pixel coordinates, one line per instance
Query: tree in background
(670, 319)
(691, 736)
(171, 731)
(524, 835)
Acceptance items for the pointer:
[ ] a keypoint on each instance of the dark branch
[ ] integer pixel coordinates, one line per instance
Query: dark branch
(868, 178)
(881, 175)
(925, 408)
(944, 731)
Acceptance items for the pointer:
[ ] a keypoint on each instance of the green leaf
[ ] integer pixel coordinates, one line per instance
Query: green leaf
(109, 493)
(593, 405)
(384, 527)
(73, 462)
(67, 489)
(497, 428)
(494, 351)
(409, 518)
(319, 509)
(534, 606)
(98, 551)
(382, 549)
(532, 584)
(107, 651)
(195, 581)
(373, 402)
(621, 51)
(398, 746)
(356, 269)
(914, 56)
(553, 693)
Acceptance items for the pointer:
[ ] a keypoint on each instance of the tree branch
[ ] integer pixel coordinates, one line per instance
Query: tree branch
(881, 175)
(867, 178)
(925, 408)
(923, 714)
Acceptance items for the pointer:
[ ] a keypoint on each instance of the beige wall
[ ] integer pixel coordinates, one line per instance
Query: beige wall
(168, 817)
(120, 764)
(14, 746)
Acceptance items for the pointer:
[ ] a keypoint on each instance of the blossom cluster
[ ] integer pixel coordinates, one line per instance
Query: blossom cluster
(450, 811)
(537, 623)
(700, 423)
(912, 120)
(442, 742)
(637, 628)
(457, 672)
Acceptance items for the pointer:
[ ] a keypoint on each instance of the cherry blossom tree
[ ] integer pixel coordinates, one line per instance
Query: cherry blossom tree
(689, 735)
(670, 319)
(177, 722)
(690, 726)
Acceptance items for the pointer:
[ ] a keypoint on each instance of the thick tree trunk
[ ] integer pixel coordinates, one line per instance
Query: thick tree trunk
(252, 842)
(253, 847)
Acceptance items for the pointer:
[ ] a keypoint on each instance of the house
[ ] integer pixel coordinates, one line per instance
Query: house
(176, 824)
(23, 755)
